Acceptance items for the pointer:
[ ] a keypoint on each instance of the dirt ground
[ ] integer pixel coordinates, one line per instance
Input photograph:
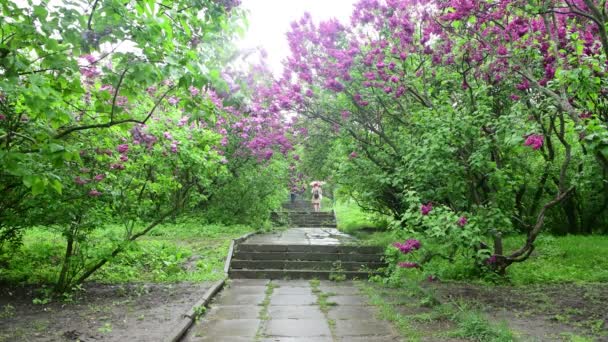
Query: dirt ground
(539, 313)
(130, 312)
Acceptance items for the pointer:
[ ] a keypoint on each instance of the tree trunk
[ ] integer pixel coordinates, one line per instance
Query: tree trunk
(569, 207)
(121, 247)
(65, 267)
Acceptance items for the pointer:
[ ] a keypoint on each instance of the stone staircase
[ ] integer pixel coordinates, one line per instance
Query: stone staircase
(297, 205)
(312, 248)
(299, 214)
(304, 261)
(311, 219)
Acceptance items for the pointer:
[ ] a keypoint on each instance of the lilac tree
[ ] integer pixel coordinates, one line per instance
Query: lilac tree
(491, 110)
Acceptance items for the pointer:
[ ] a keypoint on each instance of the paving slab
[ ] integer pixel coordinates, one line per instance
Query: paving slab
(292, 283)
(297, 339)
(349, 300)
(249, 282)
(295, 312)
(354, 312)
(297, 328)
(243, 290)
(218, 330)
(285, 290)
(227, 312)
(293, 299)
(241, 299)
(221, 339)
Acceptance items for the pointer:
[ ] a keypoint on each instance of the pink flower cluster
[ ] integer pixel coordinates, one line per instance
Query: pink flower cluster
(408, 246)
(535, 141)
(425, 209)
(462, 221)
(94, 193)
(123, 148)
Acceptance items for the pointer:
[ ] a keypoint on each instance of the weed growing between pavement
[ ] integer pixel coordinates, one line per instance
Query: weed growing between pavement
(324, 304)
(263, 315)
(199, 311)
(337, 272)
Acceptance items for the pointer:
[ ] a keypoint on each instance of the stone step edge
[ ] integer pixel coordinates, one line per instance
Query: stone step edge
(298, 274)
(291, 253)
(313, 225)
(307, 257)
(237, 251)
(299, 248)
(305, 265)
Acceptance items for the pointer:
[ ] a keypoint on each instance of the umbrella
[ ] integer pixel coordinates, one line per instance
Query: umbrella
(317, 182)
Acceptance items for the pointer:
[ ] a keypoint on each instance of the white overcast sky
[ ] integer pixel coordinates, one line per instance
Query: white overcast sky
(269, 20)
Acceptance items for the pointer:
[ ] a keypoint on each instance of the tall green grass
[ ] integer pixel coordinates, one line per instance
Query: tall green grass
(182, 251)
(351, 218)
(558, 259)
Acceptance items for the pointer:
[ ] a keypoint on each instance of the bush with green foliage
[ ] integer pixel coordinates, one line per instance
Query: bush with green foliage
(94, 134)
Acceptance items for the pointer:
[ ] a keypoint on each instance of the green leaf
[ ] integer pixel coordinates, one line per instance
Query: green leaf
(55, 184)
(54, 148)
(38, 186)
(604, 151)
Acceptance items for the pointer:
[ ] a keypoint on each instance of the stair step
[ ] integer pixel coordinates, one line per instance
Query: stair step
(313, 225)
(306, 256)
(306, 265)
(313, 221)
(346, 249)
(296, 274)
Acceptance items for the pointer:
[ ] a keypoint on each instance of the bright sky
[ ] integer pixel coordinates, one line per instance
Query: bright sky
(269, 20)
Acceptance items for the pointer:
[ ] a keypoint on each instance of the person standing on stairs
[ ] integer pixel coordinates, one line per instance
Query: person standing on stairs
(317, 195)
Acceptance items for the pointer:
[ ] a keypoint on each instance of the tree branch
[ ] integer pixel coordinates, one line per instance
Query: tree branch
(116, 90)
(91, 15)
(113, 123)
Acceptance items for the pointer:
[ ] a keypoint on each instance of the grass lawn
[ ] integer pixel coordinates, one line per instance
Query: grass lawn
(185, 250)
(557, 259)
(351, 219)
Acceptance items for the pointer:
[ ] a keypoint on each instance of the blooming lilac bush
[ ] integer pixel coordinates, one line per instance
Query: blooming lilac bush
(93, 135)
(440, 98)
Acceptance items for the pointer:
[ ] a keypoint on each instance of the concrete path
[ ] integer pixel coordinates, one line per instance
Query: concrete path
(303, 236)
(291, 311)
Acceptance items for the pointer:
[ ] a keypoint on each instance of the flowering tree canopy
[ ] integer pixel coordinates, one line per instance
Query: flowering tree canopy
(491, 108)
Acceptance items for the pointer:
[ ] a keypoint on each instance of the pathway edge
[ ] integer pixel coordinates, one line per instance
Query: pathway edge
(188, 318)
